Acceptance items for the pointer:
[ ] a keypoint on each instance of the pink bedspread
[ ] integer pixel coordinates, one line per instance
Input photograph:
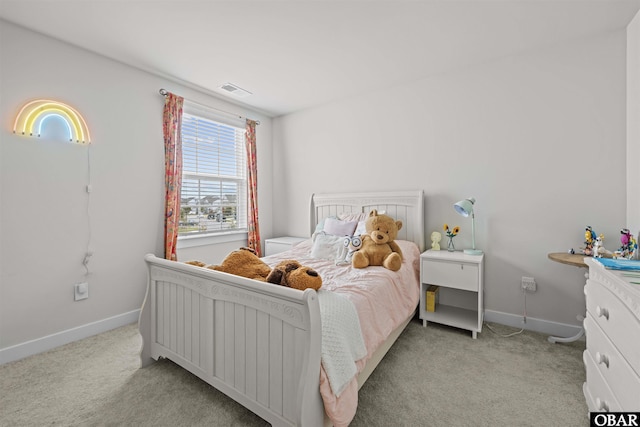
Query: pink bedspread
(383, 300)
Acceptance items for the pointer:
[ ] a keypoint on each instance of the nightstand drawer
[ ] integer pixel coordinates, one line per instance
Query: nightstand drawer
(457, 275)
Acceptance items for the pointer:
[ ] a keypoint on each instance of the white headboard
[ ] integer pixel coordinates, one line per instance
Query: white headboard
(406, 206)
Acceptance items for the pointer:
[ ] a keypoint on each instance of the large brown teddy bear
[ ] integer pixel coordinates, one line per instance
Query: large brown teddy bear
(241, 262)
(244, 262)
(378, 246)
(292, 274)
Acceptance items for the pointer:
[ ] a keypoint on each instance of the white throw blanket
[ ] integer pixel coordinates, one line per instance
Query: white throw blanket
(342, 341)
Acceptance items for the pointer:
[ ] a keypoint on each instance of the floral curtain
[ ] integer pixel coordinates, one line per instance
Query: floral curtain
(172, 123)
(252, 166)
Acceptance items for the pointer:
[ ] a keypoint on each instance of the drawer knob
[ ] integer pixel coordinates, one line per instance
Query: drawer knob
(602, 312)
(602, 359)
(602, 405)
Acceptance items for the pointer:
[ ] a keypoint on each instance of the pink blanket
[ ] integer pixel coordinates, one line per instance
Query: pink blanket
(383, 300)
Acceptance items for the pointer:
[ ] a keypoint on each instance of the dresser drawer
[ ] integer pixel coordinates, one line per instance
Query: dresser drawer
(596, 387)
(457, 275)
(615, 320)
(616, 372)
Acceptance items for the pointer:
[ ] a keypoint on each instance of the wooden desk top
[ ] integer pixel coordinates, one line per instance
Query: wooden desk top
(575, 260)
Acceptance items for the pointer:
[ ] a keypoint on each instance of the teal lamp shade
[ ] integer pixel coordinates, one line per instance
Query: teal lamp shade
(465, 208)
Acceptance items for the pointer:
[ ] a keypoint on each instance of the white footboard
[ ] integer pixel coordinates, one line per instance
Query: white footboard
(256, 342)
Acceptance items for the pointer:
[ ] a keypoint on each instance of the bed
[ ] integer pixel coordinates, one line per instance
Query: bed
(261, 344)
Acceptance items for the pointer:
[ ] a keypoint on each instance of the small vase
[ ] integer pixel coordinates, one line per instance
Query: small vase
(450, 246)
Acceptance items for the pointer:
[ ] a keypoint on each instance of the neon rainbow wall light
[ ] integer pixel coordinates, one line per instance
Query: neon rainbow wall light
(32, 118)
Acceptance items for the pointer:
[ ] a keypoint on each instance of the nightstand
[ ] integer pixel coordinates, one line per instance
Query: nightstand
(459, 277)
(280, 244)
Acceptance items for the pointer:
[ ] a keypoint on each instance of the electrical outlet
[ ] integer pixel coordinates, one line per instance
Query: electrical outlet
(81, 291)
(528, 284)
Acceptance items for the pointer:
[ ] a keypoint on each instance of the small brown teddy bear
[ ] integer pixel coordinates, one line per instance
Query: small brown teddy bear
(292, 274)
(241, 262)
(378, 246)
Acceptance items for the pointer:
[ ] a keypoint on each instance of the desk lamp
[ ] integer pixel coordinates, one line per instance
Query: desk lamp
(465, 208)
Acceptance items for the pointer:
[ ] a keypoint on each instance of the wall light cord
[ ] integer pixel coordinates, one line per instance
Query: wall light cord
(88, 254)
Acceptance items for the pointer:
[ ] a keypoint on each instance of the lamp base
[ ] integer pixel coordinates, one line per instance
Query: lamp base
(473, 251)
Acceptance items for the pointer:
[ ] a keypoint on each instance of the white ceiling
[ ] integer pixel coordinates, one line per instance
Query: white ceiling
(298, 54)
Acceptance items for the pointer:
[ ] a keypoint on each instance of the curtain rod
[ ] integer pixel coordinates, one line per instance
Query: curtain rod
(165, 92)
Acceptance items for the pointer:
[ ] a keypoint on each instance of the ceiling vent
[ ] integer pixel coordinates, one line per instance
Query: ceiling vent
(235, 90)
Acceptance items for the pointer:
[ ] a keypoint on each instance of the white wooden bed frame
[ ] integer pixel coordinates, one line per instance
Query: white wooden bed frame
(256, 342)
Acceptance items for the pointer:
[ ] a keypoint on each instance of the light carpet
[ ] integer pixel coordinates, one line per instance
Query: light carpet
(434, 376)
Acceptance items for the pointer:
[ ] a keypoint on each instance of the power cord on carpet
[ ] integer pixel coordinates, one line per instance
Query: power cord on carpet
(524, 316)
(503, 335)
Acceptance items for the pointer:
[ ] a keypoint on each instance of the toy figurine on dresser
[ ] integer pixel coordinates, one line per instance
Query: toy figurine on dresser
(629, 246)
(589, 240)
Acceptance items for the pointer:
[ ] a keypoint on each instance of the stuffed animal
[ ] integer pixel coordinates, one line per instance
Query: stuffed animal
(350, 245)
(292, 274)
(244, 262)
(241, 262)
(378, 245)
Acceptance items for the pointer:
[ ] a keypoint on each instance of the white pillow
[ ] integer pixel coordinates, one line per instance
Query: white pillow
(326, 246)
(339, 228)
(360, 229)
(320, 225)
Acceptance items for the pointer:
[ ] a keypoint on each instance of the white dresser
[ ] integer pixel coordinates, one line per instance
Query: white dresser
(612, 326)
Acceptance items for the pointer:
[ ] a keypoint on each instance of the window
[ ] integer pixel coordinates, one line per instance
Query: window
(214, 176)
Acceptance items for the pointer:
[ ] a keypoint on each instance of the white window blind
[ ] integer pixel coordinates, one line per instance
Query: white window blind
(214, 177)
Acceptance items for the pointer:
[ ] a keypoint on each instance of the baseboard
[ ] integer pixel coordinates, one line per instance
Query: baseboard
(29, 348)
(536, 325)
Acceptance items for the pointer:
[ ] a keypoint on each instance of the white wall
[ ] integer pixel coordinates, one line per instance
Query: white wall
(43, 203)
(633, 125)
(537, 138)
(547, 125)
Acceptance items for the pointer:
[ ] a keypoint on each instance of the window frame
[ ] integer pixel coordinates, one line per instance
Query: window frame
(198, 238)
